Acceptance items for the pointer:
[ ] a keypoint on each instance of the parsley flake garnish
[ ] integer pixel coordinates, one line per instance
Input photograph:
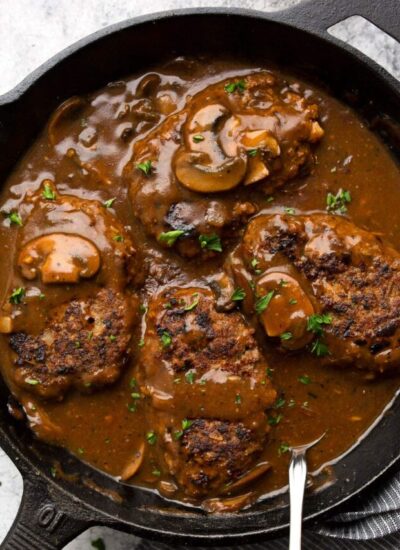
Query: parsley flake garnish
(109, 202)
(304, 379)
(170, 237)
(210, 242)
(48, 192)
(146, 167)
(290, 211)
(238, 295)
(315, 323)
(17, 295)
(15, 218)
(196, 299)
(190, 376)
(283, 448)
(286, 336)
(252, 152)
(197, 138)
(274, 420)
(151, 437)
(166, 339)
(337, 203)
(263, 302)
(320, 349)
(32, 381)
(238, 86)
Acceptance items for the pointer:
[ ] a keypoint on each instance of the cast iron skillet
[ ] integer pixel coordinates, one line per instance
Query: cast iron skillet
(53, 511)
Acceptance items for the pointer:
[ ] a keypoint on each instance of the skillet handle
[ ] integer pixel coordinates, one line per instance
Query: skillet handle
(41, 524)
(319, 15)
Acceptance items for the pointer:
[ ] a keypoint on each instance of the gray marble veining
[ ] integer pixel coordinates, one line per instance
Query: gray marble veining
(31, 31)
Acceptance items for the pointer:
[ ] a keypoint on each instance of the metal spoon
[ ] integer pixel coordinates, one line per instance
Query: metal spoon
(297, 483)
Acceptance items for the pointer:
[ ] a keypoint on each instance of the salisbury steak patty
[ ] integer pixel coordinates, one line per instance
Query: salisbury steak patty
(252, 130)
(212, 453)
(84, 345)
(349, 277)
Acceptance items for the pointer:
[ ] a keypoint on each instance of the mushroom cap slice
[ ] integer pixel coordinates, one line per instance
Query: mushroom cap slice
(59, 258)
(204, 178)
(288, 310)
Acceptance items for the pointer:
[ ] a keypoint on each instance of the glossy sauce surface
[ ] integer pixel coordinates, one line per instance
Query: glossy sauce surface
(85, 156)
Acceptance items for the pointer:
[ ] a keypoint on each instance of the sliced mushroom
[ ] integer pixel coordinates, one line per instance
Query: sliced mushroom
(288, 310)
(148, 85)
(65, 111)
(256, 171)
(59, 258)
(232, 504)
(261, 139)
(206, 168)
(256, 472)
(134, 464)
(193, 172)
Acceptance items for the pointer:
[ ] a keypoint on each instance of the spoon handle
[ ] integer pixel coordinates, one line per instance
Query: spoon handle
(297, 482)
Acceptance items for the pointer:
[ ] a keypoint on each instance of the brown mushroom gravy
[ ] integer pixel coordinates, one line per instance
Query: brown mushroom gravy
(199, 270)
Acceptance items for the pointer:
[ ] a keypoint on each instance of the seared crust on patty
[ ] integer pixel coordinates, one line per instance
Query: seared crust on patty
(350, 273)
(84, 345)
(202, 338)
(212, 453)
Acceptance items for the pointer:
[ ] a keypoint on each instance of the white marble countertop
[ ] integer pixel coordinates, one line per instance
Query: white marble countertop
(31, 31)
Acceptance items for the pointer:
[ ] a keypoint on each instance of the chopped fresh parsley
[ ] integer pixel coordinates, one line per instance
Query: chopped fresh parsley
(170, 237)
(118, 238)
(238, 295)
(315, 323)
(141, 343)
(279, 403)
(304, 379)
(32, 381)
(109, 202)
(286, 336)
(254, 263)
(166, 339)
(197, 138)
(142, 308)
(15, 218)
(196, 299)
(238, 86)
(292, 301)
(252, 152)
(190, 376)
(270, 198)
(156, 472)
(132, 383)
(17, 295)
(186, 424)
(320, 349)
(210, 242)
(151, 437)
(112, 338)
(283, 448)
(337, 203)
(263, 302)
(238, 399)
(145, 167)
(274, 420)
(42, 296)
(80, 450)
(269, 372)
(290, 211)
(135, 395)
(48, 192)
